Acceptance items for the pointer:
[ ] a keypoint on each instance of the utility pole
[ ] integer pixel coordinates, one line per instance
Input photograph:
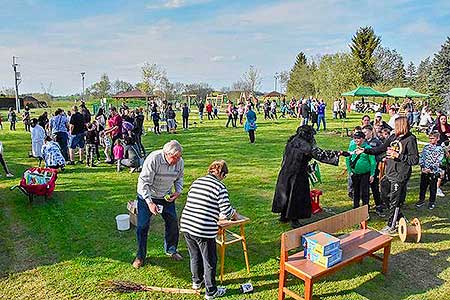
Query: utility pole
(17, 80)
(276, 78)
(82, 85)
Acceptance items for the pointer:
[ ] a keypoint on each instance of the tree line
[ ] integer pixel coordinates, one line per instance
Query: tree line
(369, 63)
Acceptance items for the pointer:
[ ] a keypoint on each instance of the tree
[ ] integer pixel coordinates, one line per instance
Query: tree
(240, 85)
(152, 76)
(300, 78)
(422, 76)
(336, 73)
(440, 74)
(252, 79)
(200, 89)
(283, 80)
(389, 68)
(411, 74)
(8, 91)
(101, 89)
(120, 86)
(363, 45)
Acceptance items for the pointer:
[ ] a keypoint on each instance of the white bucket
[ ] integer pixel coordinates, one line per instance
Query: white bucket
(123, 222)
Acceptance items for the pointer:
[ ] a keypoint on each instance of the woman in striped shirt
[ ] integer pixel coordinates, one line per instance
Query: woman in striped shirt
(206, 201)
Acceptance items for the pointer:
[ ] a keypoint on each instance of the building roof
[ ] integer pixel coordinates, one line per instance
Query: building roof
(132, 94)
(274, 94)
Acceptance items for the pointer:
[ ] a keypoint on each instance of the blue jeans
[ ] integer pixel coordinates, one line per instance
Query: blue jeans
(169, 215)
(62, 139)
(321, 118)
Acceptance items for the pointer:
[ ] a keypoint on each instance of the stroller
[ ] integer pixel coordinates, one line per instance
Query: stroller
(37, 182)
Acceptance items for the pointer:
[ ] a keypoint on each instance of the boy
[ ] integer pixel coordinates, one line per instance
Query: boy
(373, 142)
(361, 168)
(429, 161)
(91, 142)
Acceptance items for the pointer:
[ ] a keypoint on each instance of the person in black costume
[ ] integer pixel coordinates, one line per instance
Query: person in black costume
(292, 199)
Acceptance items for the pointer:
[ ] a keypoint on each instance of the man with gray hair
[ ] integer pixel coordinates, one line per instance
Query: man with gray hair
(163, 171)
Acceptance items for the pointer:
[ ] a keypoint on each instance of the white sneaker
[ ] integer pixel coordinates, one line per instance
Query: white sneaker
(219, 293)
(9, 175)
(197, 286)
(439, 193)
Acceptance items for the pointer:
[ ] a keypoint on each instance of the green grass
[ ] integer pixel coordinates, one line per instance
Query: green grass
(65, 247)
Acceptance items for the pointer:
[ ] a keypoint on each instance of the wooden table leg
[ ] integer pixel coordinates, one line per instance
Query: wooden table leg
(386, 253)
(308, 289)
(244, 246)
(222, 255)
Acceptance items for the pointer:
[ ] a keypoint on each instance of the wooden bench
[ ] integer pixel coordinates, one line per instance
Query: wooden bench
(355, 246)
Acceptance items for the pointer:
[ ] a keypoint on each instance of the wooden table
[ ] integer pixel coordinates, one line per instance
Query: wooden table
(227, 237)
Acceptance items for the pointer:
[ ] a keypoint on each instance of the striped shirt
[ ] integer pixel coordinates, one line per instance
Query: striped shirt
(158, 177)
(206, 200)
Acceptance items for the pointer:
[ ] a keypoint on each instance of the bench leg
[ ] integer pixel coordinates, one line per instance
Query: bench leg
(222, 261)
(387, 251)
(308, 289)
(281, 284)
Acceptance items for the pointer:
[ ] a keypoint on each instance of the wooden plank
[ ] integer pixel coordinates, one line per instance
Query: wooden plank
(292, 294)
(330, 225)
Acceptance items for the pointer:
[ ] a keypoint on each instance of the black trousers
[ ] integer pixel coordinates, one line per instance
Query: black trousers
(185, 122)
(232, 119)
(3, 163)
(425, 181)
(375, 187)
(251, 135)
(393, 194)
(210, 117)
(203, 261)
(360, 189)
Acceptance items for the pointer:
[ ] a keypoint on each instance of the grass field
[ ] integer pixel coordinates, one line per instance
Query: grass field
(64, 248)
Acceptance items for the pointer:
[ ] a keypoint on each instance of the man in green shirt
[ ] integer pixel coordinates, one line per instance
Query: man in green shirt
(361, 168)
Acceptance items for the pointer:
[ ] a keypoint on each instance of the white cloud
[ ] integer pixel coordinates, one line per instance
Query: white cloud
(173, 4)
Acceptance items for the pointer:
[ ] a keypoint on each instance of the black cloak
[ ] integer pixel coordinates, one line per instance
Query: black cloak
(292, 197)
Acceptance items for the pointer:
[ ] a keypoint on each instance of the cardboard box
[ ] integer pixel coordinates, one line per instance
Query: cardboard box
(327, 260)
(322, 243)
(304, 243)
(132, 211)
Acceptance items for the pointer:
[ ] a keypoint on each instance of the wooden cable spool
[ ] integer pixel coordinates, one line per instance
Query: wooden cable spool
(407, 232)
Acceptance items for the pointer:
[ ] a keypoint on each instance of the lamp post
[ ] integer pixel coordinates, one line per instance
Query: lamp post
(17, 81)
(276, 79)
(82, 85)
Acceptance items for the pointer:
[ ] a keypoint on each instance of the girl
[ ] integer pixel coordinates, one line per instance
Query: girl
(118, 152)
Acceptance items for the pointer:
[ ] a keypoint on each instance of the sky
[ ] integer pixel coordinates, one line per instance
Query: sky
(198, 40)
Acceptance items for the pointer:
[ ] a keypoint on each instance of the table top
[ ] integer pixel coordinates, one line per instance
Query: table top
(223, 223)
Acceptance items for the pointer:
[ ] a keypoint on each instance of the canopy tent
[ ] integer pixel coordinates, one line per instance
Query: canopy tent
(364, 91)
(405, 92)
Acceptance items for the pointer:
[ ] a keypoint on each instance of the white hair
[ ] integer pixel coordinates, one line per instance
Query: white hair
(172, 148)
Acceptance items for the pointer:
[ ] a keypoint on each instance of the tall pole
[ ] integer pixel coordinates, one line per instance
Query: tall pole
(82, 85)
(16, 82)
(276, 78)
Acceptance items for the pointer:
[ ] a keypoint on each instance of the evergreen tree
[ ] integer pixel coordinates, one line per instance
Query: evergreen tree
(422, 76)
(300, 78)
(363, 45)
(411, 74)
(440, 74)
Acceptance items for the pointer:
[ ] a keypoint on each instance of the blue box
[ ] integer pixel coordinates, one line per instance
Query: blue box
(322, 243)
(304, 243)
(327, 260)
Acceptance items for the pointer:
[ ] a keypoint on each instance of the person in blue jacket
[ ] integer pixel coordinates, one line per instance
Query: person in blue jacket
(250, 124)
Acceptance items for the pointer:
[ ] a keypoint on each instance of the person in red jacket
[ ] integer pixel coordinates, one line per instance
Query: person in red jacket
(209, 109)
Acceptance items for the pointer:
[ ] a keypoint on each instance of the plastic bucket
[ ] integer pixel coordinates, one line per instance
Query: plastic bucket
(123, 222)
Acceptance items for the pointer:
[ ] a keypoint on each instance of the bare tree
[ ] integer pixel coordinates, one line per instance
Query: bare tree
(153, 77)
(283, 79)
(252, 78)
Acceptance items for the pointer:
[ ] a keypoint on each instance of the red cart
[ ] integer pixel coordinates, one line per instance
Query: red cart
(34, 188)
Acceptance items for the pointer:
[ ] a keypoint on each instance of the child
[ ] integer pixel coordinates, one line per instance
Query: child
(155, 119)
(91, 141)
(361, 168)
(215, 112)
(171, 124)
(106, 143)
(429, 161)
(118, 152)
(1, 122)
